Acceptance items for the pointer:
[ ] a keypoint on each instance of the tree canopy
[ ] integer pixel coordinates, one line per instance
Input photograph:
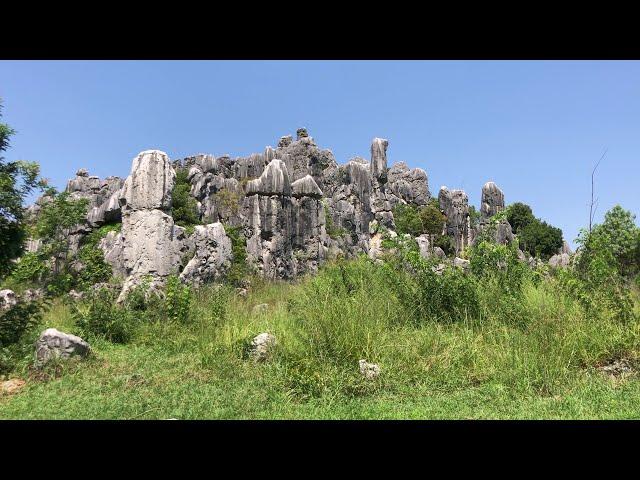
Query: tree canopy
(17, 180)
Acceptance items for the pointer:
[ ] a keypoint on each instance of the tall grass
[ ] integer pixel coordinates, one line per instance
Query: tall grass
(536, 341)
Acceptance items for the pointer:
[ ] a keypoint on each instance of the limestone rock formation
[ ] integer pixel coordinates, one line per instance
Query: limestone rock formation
(149, 243)
(150, 183)
(212, 255)
(56, 344)
(560, 260)
(492, 200)
(455, 205)
(294, 205)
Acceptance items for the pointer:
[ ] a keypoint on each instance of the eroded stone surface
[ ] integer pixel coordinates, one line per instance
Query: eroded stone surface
(54, 344)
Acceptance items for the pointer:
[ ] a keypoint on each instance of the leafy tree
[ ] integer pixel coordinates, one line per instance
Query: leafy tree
(17, 180)
(407, 220)
(535, 235)
(540, 239)
(619, 236)
(432, 219)
(418, 220)
(184, 208)
(54, 223)
(519, 215)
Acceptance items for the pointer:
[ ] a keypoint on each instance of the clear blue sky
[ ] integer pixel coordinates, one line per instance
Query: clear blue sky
(535, 128)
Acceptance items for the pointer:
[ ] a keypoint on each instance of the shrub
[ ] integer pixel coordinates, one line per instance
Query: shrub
(445, 242)
(239, 268)
(16, 325)
(427, 295)
(99, 316)
(31, 268)
(407, 220)
(519, 215)
(184, 208)
(94, 268)
(499, 262)
(177, 300)
(229, 200)
(418, 220)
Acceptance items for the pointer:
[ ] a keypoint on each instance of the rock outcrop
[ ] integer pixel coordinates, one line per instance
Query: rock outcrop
(211, 255)
(560, 260)
(149, 244)
(262, 347)
(370, 371)
(492, 200)
(294, 205)
(455, 206)
(7, 299)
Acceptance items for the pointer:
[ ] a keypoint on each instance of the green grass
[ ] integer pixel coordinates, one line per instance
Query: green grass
(494, 366)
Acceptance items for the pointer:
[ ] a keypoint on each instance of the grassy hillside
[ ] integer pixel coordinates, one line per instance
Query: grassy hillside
(535, 353)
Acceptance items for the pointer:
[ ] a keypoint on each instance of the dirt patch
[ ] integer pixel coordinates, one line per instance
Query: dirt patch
(11, 386)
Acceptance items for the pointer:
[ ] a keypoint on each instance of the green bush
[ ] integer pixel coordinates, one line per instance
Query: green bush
(445, 242)
(416, 220)
(94, 268)
(184, 208)
(177, 300)
(536, 236)
(448, 295)
(239, 268)
(98, 316)
(30, 269)
(500, 262)
(16, 325)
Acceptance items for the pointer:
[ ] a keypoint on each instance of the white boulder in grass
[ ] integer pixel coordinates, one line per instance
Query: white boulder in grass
(56, 344)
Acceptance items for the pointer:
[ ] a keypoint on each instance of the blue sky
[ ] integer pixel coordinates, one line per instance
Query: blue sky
(534, 127)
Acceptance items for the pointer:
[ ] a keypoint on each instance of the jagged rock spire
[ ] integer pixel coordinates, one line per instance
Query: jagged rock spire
(492, 200)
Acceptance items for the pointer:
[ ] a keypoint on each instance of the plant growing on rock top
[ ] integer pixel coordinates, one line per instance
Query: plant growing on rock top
(184, 208)
(239, 268)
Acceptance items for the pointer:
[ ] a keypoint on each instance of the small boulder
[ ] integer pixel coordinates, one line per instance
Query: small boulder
(7, 299)
(439, 269)
(438, 252)
(561, 260)
(262, 346)
(74, 295)
(462, 263)
(241, 292)
(368, 370)
(31, 295)
(56, 344)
